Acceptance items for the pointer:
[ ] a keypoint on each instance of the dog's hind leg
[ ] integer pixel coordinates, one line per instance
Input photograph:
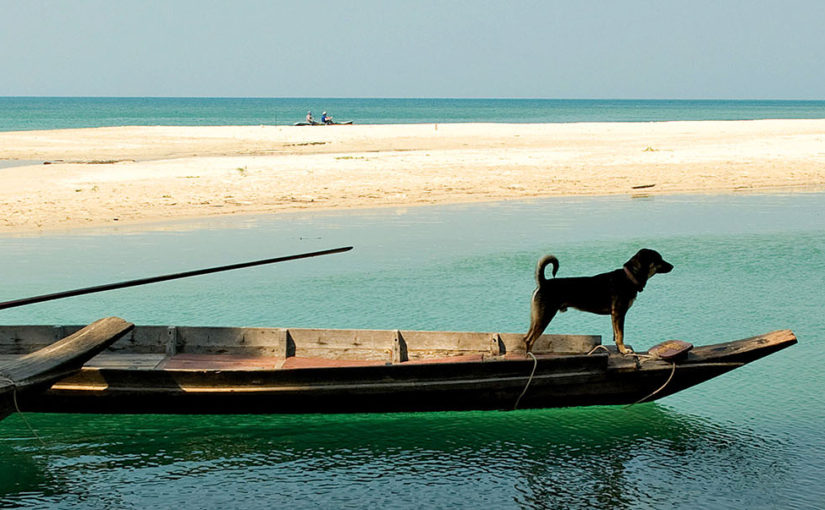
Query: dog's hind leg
(538, 323)
(540, 314)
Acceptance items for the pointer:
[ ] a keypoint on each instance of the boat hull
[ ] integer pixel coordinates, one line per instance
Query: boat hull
(470, 382)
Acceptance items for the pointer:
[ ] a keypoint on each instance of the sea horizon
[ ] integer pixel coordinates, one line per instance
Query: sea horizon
(480, 98)
(27, 113)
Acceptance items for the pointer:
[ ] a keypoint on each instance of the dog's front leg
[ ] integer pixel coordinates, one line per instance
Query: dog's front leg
(617, 316)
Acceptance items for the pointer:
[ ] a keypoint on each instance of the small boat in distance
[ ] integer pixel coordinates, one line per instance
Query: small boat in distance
(160, 369)
(23, 376)
(314, 123)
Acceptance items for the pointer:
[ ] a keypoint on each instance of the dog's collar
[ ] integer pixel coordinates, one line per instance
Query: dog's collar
(633, 279)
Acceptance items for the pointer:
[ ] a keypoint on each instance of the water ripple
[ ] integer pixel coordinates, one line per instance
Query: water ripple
(744, 265)
(575, 457)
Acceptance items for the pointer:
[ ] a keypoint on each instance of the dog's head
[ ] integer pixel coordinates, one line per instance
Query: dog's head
(645, 264)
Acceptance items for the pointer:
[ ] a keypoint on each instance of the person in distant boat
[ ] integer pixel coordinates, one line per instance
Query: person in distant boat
(310, 120)
(325, 118)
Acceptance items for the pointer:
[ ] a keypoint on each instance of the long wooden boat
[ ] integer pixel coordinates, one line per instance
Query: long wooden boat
(23, 376)
(158, 369)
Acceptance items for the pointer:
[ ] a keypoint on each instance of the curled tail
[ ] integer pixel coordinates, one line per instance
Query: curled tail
(547, 259)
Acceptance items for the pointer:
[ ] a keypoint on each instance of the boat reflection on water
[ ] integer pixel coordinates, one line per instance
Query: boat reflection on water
(559, 457)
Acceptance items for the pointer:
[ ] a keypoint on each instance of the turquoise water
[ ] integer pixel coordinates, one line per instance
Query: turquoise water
(29, 113)
(745, 264)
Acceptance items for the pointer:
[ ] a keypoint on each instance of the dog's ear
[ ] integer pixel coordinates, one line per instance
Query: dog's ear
(636, 264)
(654, 260)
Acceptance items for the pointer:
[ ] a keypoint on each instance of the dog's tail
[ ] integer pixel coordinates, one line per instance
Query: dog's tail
(547, 259)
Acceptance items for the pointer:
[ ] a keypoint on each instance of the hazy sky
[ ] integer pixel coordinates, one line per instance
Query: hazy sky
(544, 49)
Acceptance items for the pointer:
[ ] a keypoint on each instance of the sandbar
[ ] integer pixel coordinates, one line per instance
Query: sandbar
(75, 178)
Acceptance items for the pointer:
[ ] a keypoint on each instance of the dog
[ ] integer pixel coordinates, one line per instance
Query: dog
(606, 294)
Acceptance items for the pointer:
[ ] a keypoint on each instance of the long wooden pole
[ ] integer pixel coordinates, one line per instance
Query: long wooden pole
(163, 278)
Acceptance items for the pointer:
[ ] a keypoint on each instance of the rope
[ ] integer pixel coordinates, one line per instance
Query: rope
(672, 371)
(641, 358)
(529, 380)
(600, 346)
(4, 377)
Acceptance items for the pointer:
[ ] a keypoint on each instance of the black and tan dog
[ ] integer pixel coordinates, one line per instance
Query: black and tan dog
(606, 294)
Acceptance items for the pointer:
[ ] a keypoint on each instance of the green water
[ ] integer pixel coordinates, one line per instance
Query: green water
(745, 264)
(28, 113)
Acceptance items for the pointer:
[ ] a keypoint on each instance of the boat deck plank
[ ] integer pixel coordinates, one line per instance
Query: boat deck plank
(126, 361)
(465, 358)
(306, 362)
(220, 362)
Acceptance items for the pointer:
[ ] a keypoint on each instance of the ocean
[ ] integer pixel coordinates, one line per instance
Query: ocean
(34, 113)
(744, 264)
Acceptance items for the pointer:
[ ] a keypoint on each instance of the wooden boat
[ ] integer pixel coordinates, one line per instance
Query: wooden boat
(315, 123)
(158, 369)
(23, 376)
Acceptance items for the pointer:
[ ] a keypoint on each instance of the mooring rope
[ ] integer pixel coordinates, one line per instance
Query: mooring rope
(672, 371)
(600, 346)
(642, 358)
(529, 380)
(6, 378)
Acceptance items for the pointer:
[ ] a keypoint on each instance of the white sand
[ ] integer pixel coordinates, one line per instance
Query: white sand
(146, 174)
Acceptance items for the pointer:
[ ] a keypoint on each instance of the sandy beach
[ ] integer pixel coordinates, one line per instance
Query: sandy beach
(66, 179)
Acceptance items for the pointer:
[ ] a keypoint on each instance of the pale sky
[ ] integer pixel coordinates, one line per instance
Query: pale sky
(696, 49)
